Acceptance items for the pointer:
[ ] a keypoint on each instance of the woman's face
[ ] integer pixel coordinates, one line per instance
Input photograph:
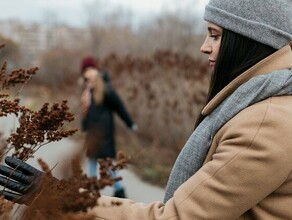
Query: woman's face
(90, 76)
(212, 42)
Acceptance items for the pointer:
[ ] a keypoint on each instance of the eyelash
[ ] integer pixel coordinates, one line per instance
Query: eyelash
(214, 36)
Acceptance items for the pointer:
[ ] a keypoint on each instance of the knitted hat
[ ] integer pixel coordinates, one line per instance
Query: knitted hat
(88, 62)
(266, 21)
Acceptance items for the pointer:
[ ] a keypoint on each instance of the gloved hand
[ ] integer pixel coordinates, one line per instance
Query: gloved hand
(21, 178)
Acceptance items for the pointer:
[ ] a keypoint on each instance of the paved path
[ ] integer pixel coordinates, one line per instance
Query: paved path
(61, 152)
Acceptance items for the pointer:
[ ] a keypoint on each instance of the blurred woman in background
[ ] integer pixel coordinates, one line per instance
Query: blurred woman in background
(99, 102)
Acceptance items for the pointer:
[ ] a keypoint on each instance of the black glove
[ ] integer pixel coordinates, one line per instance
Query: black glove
(21, 178)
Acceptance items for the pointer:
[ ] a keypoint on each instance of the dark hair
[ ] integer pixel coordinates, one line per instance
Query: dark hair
(236, 54)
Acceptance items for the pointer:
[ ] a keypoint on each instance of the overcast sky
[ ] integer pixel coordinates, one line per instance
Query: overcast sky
(73, 12)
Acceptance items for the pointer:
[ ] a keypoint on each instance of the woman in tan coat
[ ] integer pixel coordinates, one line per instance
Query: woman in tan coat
(237, 163)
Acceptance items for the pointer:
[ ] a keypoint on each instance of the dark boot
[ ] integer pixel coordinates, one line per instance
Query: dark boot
(120, 193)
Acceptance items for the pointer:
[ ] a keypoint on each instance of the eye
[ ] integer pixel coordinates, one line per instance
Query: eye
(214, 36)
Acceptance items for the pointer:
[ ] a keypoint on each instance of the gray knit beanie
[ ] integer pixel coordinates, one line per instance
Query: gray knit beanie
(266, 21)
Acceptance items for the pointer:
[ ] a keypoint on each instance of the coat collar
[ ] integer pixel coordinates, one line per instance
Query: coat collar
(281, 59)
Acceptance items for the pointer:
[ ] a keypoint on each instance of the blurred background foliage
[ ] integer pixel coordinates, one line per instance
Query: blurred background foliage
(156, 68)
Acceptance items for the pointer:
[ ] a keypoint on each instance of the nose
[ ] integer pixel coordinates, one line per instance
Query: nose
(206, 48)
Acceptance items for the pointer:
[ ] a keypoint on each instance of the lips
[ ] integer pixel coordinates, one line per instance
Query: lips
(212, 62)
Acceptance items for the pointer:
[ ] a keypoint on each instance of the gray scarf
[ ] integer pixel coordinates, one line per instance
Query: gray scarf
(193, 154)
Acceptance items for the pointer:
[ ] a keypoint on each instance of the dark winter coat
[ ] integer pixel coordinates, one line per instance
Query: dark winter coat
(99, 126)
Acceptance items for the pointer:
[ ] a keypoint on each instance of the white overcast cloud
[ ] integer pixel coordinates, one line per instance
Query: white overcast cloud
(73, 11)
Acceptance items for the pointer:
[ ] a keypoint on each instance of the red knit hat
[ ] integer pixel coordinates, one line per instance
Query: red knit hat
(88, 62)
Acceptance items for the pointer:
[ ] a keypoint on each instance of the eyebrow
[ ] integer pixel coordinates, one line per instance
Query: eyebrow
(210, 29)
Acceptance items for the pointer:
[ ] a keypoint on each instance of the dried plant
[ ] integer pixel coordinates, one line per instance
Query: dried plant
(73, 196)
(36, 127)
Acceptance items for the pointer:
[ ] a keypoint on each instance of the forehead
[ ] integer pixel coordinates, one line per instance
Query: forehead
(90, 73)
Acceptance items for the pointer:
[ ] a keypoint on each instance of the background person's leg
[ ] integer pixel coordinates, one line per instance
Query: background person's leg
(119, 190)
(92, 167)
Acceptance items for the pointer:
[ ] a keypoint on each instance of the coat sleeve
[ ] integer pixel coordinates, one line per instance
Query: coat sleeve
(116, 104)
(250, 163)
(84, 124)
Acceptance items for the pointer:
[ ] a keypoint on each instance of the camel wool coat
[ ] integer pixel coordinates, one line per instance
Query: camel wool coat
(247, 171)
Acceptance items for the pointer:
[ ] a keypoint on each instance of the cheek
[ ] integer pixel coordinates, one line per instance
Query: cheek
(216, 49)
